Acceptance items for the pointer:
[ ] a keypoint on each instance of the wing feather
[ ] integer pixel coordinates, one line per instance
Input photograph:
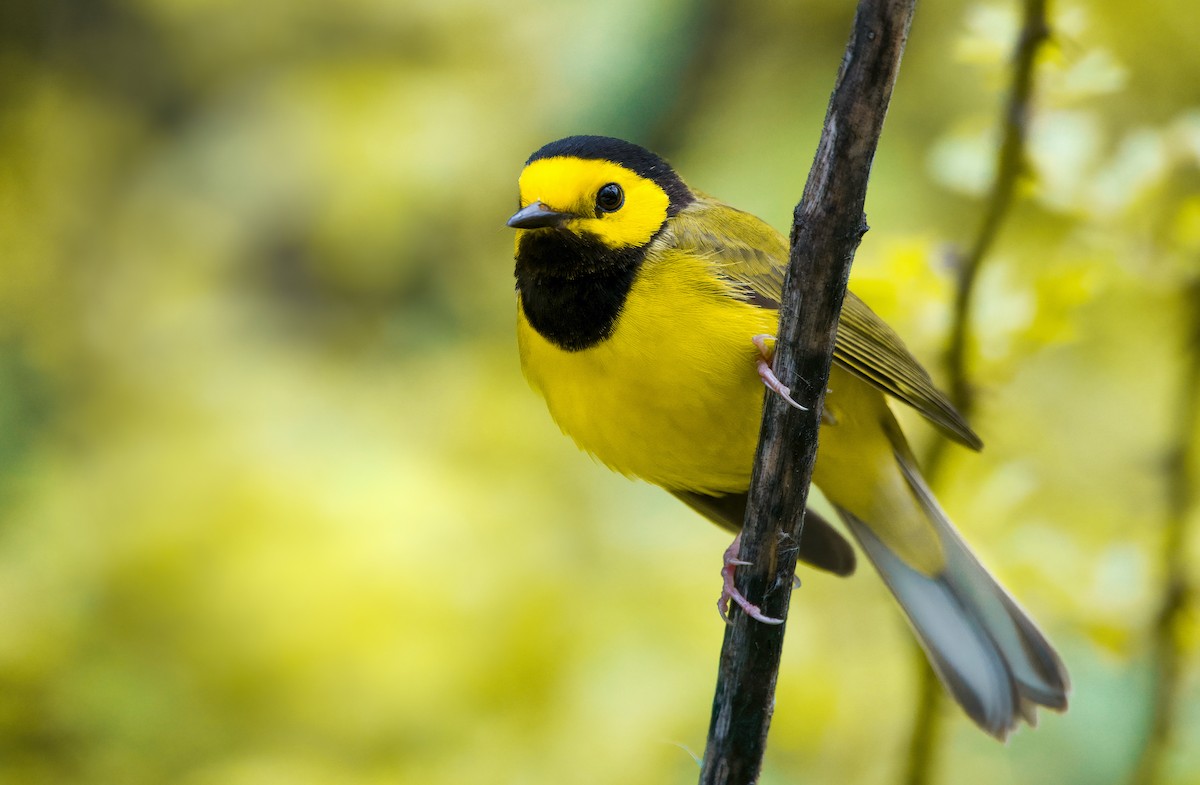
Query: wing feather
(751, 257)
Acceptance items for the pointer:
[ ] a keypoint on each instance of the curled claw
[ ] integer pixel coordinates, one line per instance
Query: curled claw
(730, 592)
(763, 363)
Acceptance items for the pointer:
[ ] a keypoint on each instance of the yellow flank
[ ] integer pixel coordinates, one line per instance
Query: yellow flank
(569, 185)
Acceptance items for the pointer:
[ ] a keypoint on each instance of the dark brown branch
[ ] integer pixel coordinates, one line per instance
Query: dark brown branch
(1010, 166)
(1176, 594)
(827, 227)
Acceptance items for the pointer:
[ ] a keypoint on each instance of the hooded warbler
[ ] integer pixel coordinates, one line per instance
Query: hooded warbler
(638, 303)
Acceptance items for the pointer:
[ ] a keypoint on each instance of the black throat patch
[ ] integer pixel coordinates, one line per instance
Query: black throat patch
(573, 287)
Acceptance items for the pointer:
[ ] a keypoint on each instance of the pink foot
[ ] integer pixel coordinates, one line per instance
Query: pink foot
(765, 353)
(729, 590)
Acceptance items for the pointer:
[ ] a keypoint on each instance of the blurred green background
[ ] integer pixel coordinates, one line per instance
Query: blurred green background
(276, 505)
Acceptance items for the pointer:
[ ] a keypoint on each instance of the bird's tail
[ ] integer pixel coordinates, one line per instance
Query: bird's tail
(982, 645)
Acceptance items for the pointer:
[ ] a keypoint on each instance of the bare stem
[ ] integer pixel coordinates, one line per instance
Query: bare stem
(1176, 591)
(1010, 166)
(927, 724)
(827, 227)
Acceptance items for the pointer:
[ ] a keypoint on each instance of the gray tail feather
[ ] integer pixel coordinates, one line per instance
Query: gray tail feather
(984, 647)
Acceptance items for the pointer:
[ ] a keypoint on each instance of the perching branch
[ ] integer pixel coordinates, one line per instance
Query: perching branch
(1010, 166)
(827, 227)
(1181, 498)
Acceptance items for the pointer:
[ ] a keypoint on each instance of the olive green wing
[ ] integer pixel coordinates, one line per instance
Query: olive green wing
(871, 349)
(751, 255)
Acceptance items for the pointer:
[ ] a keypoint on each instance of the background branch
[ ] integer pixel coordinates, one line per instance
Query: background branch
(827, 227)
(1181, 497)
(1010, 166)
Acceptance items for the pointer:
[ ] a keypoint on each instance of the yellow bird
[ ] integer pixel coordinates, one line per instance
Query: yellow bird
(641, 310)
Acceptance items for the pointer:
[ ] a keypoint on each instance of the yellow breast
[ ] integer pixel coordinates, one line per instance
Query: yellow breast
(672, 396)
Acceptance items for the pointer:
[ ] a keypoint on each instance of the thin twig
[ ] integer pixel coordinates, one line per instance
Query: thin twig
(927, 721)
(1010, 166)
(827, 227)
(1176, 593)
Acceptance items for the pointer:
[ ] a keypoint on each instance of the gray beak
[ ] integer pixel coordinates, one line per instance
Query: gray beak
(536, 216)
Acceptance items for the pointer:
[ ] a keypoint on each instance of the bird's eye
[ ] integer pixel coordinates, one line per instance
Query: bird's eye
(609, 198)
